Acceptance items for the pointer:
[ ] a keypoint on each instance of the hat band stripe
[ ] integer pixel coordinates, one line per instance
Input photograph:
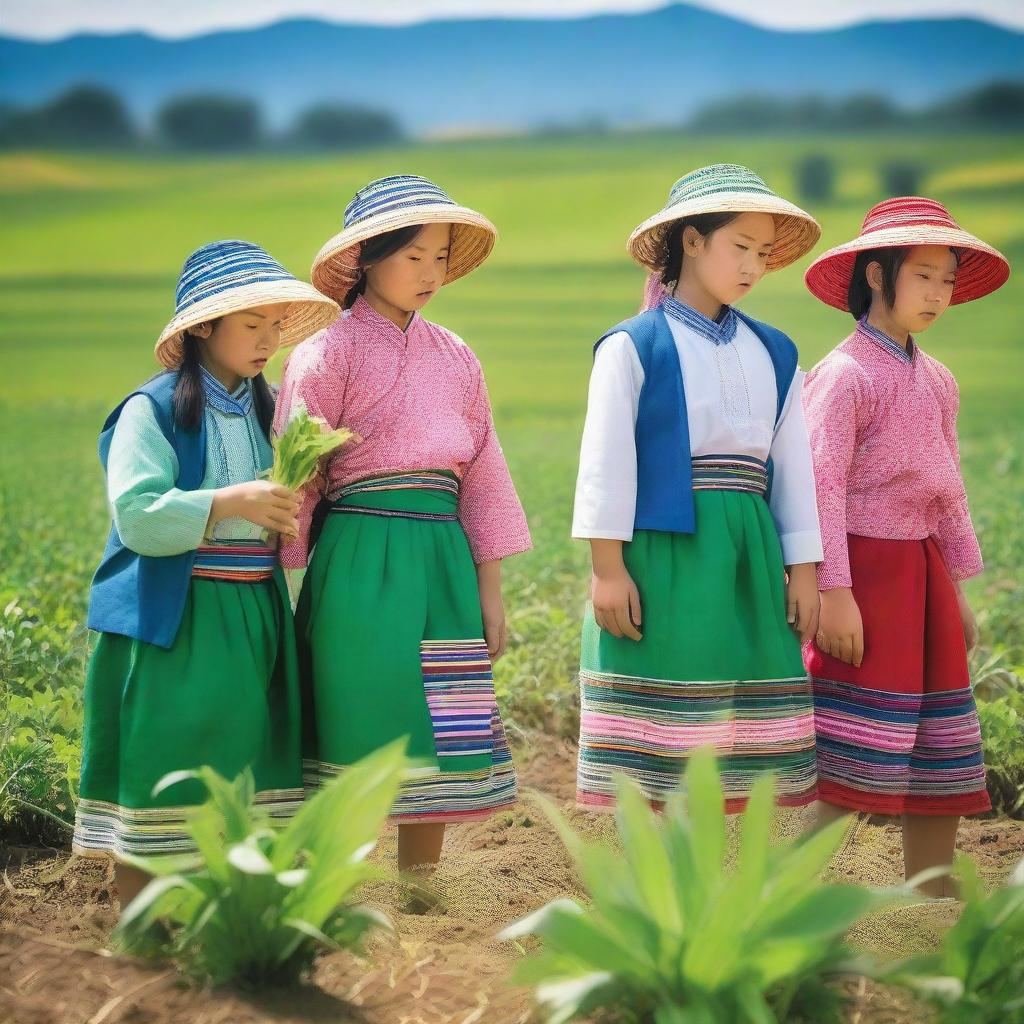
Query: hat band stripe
(392, 186)
(231, 265)
(397, 197)
(226, 285)
(721, 188)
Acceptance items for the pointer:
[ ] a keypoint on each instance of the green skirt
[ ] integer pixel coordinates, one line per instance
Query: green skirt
(718, 664)
(391, 645)
(226, 695)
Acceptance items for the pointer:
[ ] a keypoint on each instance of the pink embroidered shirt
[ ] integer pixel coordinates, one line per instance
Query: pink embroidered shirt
(882, 426)
(417, 399)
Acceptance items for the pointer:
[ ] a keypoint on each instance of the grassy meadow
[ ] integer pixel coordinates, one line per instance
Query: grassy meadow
(92, 248)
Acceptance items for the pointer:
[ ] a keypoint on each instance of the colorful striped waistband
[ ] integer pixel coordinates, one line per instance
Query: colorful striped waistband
(241, 561)
(730, 473)
(423, 495)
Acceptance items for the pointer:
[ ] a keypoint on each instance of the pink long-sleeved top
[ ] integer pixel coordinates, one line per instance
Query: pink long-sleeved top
(882, 425)
(418, 401)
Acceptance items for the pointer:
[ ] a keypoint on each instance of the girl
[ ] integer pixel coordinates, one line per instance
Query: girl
(897, 726)
(693, 420)
(195, 662)
(400, 616)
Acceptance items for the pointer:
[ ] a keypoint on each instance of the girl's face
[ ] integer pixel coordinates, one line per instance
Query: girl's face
(408, 279)
(727, 263)
(924, 286)
(238, 345)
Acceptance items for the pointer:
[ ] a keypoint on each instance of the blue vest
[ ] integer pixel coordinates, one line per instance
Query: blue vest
(143, 596)
(664, 495)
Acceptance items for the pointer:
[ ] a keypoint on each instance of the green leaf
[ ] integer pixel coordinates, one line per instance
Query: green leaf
(248, 858)
(298, 450)
(706, 806)
(824, 912)
(569, 997)
(646, 855)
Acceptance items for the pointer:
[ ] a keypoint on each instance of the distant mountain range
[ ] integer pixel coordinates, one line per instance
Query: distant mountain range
(656, 67)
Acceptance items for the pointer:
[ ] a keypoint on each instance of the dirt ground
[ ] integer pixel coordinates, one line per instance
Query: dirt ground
(444, 967)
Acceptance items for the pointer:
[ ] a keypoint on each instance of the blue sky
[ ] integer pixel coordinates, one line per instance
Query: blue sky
(54, 19)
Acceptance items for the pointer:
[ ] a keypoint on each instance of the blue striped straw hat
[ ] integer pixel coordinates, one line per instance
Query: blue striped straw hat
(724, 188)
(230, 276)
(401, 201)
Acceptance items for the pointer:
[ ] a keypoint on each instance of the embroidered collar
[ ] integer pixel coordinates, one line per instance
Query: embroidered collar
(892, 346)
(233, 403)
(720, 331)
(362, 310)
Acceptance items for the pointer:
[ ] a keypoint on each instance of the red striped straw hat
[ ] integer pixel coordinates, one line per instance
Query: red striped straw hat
(903, 222)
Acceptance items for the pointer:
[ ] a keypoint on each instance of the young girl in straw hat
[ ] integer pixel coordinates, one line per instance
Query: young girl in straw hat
(897, 725)
(400, 616)
(695, 490)
(195, 663)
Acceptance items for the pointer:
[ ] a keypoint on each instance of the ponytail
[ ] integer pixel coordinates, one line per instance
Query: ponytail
(189, 397)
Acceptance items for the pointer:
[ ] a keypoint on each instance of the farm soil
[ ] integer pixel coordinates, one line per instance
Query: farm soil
(442, 967)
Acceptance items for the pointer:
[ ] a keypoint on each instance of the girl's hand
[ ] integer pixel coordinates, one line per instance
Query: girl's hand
(495, 628)
(492, 608)
(802, 600)
(617, 604)
(967, 620)
(840, 627)
(268, 505)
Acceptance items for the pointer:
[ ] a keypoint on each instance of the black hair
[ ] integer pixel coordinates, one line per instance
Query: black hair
(859, 294)
(705, 224)
(378, 248)
(190, 398)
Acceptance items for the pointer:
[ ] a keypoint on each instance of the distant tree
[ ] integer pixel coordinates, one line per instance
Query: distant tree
(744, 113)
(996, 105)
(808, 113)
(866, 111)
(86, 115)
(900, 178)
(815, 176)
(210, 122)
(336, 126)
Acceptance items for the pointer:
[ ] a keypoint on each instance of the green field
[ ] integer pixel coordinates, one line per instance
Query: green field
(92, 249)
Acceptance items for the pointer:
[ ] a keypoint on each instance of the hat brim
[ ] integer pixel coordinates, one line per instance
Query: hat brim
(982, 268)
(308, 311)
(336, 267)
(796, 235)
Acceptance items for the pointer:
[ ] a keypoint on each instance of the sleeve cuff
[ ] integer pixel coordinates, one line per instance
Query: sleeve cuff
(801, 547)
(832, 578)
(494, 553)
(293, 555)
(596, 533)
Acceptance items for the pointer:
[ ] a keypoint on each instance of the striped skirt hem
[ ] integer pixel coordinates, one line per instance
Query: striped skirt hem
(104, 829)
(908, 753)
(428, 795)
(647, 728)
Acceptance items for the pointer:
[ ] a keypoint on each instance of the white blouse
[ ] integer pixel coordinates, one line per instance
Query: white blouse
(731, 401)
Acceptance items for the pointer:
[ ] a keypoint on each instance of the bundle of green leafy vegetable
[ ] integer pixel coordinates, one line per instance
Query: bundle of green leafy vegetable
(299, 448)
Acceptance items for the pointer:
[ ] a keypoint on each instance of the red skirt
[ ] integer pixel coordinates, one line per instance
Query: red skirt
(900, 734)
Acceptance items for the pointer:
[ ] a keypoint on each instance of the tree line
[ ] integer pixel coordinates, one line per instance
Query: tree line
(93, 116)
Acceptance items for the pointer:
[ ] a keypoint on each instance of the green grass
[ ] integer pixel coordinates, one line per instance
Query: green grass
(92, 249)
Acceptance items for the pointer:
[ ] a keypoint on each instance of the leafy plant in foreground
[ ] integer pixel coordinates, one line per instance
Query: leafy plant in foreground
(671, 938)
(262, 901)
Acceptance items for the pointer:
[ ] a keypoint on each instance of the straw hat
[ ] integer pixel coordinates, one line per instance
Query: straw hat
(229, 276)
(724, 188)
(908, 221)
(400, 201)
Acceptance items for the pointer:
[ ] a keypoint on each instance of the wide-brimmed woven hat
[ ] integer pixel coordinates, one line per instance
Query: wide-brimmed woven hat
(909, 221)
(725, 188)
(400, 201)
(229, 276)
